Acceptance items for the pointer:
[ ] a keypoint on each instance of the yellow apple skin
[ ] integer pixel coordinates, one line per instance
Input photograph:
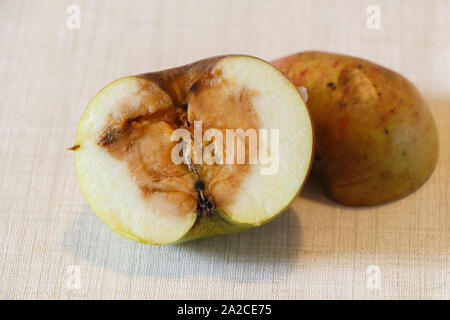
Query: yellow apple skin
(376, 139)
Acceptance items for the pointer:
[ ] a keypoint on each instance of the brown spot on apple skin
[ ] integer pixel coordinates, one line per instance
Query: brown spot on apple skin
(317, 157)
(331, 85)
(74, 148)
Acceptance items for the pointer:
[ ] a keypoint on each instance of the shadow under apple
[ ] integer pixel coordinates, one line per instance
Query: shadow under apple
(266, 253)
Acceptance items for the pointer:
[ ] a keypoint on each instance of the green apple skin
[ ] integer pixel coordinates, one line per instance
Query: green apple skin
(216, 224)
(376, 140)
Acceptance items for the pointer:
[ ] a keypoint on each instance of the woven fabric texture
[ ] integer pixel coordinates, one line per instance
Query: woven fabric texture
(52, 246)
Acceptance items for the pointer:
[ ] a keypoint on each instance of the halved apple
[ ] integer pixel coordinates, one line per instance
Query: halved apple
(124, 150)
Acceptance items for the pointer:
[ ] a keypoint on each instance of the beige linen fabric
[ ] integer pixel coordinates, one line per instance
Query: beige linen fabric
(53, 246)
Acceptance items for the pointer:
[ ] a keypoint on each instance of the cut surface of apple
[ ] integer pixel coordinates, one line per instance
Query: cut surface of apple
(125, 146)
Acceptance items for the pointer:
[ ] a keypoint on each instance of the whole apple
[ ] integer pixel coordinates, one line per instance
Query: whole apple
(376, 139)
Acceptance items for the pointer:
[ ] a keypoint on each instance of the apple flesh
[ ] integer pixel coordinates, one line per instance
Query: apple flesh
(376, 139)
(124, 145)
